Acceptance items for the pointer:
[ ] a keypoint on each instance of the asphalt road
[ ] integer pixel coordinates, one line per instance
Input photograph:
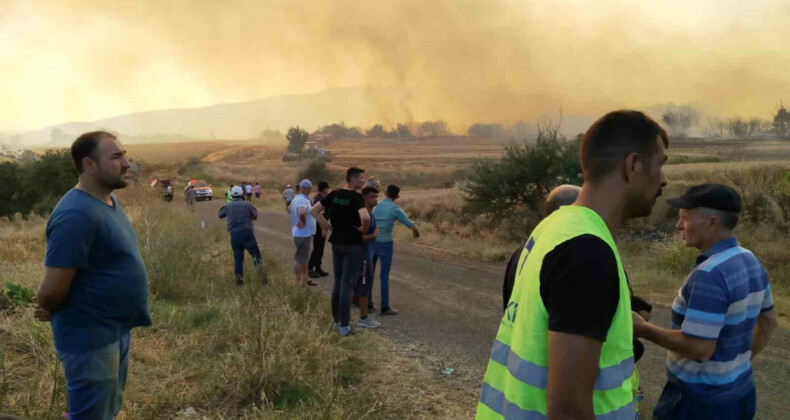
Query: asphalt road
(449, 314)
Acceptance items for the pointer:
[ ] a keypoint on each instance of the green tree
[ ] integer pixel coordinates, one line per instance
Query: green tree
(296, 139)
(680, 121)
(403, 131)
(36, 186)
(781, 125)
(518, 182)
(376, 131)
(316, 171)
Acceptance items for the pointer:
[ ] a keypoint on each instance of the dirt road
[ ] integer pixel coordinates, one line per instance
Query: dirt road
(450, 313)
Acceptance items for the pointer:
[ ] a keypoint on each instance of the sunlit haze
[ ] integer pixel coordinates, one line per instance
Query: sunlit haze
(462, 61)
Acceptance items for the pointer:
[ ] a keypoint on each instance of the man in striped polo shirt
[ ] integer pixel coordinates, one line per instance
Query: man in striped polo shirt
(722, 316)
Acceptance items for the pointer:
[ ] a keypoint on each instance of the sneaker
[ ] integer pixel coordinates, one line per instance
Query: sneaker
(321, 272)
(368, 322)
(313, 275)
(388, 311)
(346, 331)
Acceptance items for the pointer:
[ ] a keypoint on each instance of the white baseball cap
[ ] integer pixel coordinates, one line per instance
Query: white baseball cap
(236, 191)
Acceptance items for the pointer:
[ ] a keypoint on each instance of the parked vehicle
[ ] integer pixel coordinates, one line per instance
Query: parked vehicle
(203, 191)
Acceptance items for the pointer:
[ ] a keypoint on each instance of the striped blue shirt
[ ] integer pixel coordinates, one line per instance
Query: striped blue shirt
(720, 300)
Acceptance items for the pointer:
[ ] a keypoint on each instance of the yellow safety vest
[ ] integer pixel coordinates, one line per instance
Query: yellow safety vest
(515, 385)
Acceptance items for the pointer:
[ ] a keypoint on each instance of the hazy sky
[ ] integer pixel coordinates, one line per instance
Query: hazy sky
(462, 61)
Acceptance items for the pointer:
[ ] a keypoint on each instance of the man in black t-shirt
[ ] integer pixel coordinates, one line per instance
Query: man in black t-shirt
(314, 266)
(349, 219)
(579, 251)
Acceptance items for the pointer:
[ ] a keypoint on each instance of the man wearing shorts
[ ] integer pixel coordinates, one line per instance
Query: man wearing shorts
(365, 279)
(303, 229)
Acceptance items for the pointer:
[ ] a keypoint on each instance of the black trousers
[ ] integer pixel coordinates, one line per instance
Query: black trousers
(318, 252)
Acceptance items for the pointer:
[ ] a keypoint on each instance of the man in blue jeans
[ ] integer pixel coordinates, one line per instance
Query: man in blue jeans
(386, 213)
(240, 215)
(349, 218)
(95, 287)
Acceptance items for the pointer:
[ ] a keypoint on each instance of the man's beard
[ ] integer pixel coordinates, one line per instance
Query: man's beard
(112, 182)
(642, 207)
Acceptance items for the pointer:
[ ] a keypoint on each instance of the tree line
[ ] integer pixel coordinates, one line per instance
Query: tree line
(682, 120)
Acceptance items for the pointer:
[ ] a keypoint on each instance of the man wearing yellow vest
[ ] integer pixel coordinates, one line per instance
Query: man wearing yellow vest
(564, 347)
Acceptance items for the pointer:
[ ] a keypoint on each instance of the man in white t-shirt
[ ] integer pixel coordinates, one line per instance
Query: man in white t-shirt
(303, 229)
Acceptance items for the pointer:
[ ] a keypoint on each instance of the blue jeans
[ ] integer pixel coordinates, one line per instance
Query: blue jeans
(95, 380)
(675, 403)
(383, 251)
(345, 261)
(240, 241)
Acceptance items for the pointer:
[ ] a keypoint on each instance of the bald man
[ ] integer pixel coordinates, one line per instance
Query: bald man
(564, 195)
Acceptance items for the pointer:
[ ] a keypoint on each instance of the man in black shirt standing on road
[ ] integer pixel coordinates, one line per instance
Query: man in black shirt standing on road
(349, 219)
(314, 266)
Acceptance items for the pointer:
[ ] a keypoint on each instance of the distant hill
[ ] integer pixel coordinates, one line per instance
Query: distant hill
(241, 120)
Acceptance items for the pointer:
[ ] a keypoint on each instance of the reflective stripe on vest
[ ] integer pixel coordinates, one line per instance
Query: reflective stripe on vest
(610, 377)
(515, 385)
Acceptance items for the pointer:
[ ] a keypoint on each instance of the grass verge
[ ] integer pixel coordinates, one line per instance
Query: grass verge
(257, 352)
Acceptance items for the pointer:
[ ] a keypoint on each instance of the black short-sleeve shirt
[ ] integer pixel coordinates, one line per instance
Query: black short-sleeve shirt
(343, 206)
(579, 286)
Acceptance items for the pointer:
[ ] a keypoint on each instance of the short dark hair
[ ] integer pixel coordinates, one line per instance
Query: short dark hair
(393, 190)
(613, 137)
(352, 172)
(370, 190)
(323, 185)
(87, 145)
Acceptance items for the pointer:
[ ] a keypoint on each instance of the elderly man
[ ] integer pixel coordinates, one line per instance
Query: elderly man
(95, 287)
(722, 316)
(240, 215)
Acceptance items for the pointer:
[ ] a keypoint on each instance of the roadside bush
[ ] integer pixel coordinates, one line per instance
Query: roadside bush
(36, 187)
(515, 184)
(316, 171)
(192, 164)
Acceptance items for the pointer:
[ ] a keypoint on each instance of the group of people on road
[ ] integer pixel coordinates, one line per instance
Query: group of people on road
(359, 228)
(247, 190)
(569, 337)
